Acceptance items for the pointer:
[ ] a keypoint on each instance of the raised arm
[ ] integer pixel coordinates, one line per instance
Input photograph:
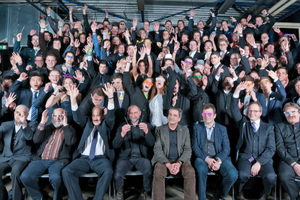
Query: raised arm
(150, 64)
(50, 20)
(55, 97)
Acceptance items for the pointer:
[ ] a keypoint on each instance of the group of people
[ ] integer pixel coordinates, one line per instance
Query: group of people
(108, 98)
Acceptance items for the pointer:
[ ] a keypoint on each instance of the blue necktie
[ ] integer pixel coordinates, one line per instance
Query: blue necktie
(33, 109)
(94, 142)
(253, 126)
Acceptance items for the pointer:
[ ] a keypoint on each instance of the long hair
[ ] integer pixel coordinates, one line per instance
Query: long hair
(159, 91)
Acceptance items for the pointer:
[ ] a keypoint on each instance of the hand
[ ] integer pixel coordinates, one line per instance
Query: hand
(209, 162)
(94, 27)
(74, 92)
(108, 90)
(10, 99)
(23, 76)
(174, 100)
(60, 23)
(241, 105)
(297, 169)
(19, 37)
(250, 25)
(70, 9)
(125, 129)
(253, 95)
(176, 46)
(17, 58)
(48, 10)
(88, 50)
(78, 76)
(211, 38)
(239, 28)
(32, 32)
(54, 35)
(276, 29)
(215, 166)
(176, 168)
(12, 106)
(134, 23)
(156, 26)
(233, 19)
(44, 117)
(65, 119)
(231, 71)
(144, 127)
(142, 52)
(47, 86)
(22, 118)
(294, 37)
(192, 13)
(43, 24)
(264, 63)
(85, 7)
(126, 33)
(64, 68)
(161, 55)
(106, 13)
(28, 67)
(249, 18)
(255, 169)
(158, 44)
(220, 70)
(170, 167)
(212, 11)
(272, 74)
(96, 61)
(77, 43)
(264, 12)
(148, 50)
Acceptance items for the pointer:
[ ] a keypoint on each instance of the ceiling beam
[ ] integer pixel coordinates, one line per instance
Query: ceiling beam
(225, 6)
(141, 5)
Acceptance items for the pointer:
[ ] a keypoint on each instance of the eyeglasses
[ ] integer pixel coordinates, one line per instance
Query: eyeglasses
(160, 79)
(264, 82)
(253, 111)
(188, 62)
(70, 57)
(55, 75)
(57, 116)
(207, 114)
(122, 24)
(297, 85)
(293, 112)
(148, 83)
(197, 76)
(116, 82)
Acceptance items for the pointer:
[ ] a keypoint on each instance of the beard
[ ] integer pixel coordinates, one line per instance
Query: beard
(57, 124)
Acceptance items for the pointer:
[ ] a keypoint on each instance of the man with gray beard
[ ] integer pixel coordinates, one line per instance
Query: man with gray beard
(55, 142)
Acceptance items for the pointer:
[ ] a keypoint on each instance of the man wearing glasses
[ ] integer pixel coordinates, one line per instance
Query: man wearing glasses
(255, 146)
(53, 155)
(288, 148)
(211, 146)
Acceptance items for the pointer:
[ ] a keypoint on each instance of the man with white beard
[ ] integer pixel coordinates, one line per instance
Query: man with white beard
(55, 142)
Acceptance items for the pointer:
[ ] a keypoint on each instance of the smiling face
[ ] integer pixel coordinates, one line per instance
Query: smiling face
(147, 85)
(142, 67)
(54, 77)
(57, 117)
(35, 40)
(97, 114)
(173, 117)
(68, 83)
(159, 83)
(210, 116)
(254, 112)
(134, 114)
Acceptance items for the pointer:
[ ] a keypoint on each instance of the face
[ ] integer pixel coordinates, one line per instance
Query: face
(283, 60)
(35, 82)
(173, 117)
(160, 83)
(227, 83)
(169, 63)
(197, 36)
(96, 99)
(256, 78)
(47, 37)
(168, 25)
(66, 27)
(252, 62)
(19, 112)
(69, 58)
(189, 63)
(249, 87)
(35, 41)
(142, 34)
(117, 83)
(264, 37)
(121, 49)
(234, 60)
(122, 25)
(270, 49)
(293, 116)
(146, 86)
(200, 25)
(265, 85)
(208, 47)
(130, 50)
(82, 38)
(115, 30)
(68, 83)
(282, 75)
(54, 77)
(6, 84)
(193, 46)
(180, 25)
(57, 117)
(99, 39)
(223, 46)
(97, 116)
(204, 38)
(184, 38)
(249, 37)
(39, 61)
(244, 22)
(247, 50)
(273, 61)
(105, 24)
(146, 26)
(258, 21)
(166, 35)
(116, 41)
(209, 117)
(176, 88)
(197, 80)
(50, 61)
(142, 67)
(56, 44)
(254, 112)
(66, 40)
(214, 59)
(134, 114)
(297, 87)
(102, 68)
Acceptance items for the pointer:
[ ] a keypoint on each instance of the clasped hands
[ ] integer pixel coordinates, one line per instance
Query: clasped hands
(174, 167)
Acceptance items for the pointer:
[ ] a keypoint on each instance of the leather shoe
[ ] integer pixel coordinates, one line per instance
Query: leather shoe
(240, 196)
(263, 197)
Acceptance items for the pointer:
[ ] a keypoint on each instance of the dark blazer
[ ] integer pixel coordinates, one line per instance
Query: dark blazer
(47, 50)
(222, 75)
(22, 149)
(5, 113)
(104, 129)
(125, 144)
(42, 138)
(121, 112)
(266, 147)
(96, 76)
(27, 54)
(222, 144)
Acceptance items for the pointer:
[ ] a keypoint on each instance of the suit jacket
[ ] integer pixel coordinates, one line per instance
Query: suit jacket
(266, 147)
(125, 144)
(27, 54)
(47, 50)
(121, 112)
(42, 138)
(5, 113)
(221, 141)
(96, 76)
(104, 129)
(222, 75)
(22, 148)
(162, 144)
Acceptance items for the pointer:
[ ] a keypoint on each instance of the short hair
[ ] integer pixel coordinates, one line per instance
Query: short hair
(265, 77)
(284, 68)
(209, 106)
(170, 60)
(223, 40)
(71, 53)
(129, 108)
(117, 75)
(208, 41)
(104, 62)
(290, 104)
(7, 78)
(248, 78)
(168, 21)
(55, 70)
(192, 40)
(224, 21)
(22, 106)
(216, 53)
(177, 109)
(180, 21)
(39, 55)
(147, 21)
(35, 73)
(51, 55)
(98, 90)
(257, 103)
(268, 44)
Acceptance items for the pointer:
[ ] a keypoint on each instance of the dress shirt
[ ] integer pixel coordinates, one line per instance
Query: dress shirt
(100, 147)
(209, 131)
(191, 54)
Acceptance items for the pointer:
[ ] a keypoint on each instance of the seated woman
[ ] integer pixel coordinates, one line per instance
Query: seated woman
(61, 95)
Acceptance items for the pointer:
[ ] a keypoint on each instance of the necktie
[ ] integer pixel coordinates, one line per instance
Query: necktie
(33, 109)
(36, 51)
(94, 142)
(121, 95)
(212, 73)
(101, 80)
(254, 127)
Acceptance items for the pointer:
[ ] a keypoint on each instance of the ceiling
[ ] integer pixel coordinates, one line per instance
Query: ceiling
(160, 10)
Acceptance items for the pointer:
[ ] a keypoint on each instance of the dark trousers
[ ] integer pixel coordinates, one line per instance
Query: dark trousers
(266, 172)
(36, 169)
(100, 165)
(161, 171)
(227, 171)
(287, 176)
(124, 166)
(16, 167)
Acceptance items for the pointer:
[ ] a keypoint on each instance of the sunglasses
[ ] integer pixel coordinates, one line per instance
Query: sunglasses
(116, 82)
(207, 114)
(148, 83)
(264, 82)
(293, 112)
(59, 116)
(188, 62)
(197, 76)
(160, 79)
(70, 57)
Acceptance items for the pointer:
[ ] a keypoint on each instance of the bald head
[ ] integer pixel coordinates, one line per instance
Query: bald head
(58, 117)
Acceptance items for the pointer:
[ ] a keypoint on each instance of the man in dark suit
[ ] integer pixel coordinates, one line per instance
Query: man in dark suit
(94, 151)
(28, 96)
(7, 108)
(193, 52)
(135, 141)
(211, 146)
(256, 146)
(265, 28)
(287, 143)
(172, 154)
(55, 142)
(17, 151)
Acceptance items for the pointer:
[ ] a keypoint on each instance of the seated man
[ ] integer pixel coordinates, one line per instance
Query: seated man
(93, 152)
(55, 142)
(256, 146)
(17, 151)
(287, 144)
(135, 141)
(168, 159)
(211, 146)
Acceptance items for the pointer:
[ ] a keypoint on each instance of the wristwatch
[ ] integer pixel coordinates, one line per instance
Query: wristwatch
(219, 162)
